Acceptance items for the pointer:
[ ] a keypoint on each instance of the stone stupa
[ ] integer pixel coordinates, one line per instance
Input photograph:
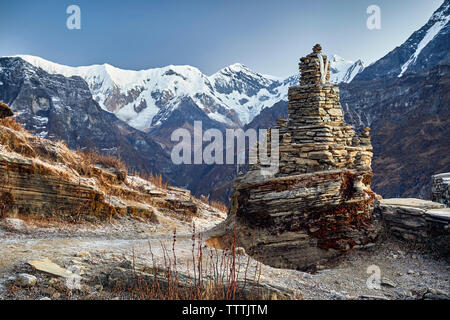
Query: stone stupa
(319, 204)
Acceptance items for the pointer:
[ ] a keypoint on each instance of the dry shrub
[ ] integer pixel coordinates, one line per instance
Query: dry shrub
(15, 142)
(156, 180)
(214, 277)
(218, 205)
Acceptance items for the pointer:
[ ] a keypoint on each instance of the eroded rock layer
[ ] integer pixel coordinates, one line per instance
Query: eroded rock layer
(319, 204)
(28, 188)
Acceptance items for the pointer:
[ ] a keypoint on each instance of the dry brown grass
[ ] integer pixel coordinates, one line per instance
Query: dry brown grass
(218, 205)
(54, 157)
(107, 161)
(157, 180)
(12, 124)
(214, 203)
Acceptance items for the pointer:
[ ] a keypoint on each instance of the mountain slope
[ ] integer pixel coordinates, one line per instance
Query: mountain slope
(410, 128)
(425, 48)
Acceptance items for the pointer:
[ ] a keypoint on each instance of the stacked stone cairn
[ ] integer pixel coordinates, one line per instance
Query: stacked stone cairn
(440, 191)
(319, 204)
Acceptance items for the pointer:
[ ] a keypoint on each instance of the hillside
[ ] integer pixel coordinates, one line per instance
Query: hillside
(45, 179)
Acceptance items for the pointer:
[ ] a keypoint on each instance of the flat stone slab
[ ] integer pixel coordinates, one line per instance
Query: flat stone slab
(443, 214)
(445, 175)
(48, 266)
(411, 202)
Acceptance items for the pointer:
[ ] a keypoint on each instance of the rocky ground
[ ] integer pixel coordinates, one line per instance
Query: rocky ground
(107, 255)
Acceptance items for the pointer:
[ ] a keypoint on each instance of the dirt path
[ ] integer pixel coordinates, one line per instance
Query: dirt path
(406, 273)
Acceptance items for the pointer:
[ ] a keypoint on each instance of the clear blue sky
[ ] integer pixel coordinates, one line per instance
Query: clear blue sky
(267, 35)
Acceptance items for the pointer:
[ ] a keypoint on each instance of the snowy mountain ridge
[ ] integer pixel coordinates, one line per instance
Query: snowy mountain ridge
(144, 99)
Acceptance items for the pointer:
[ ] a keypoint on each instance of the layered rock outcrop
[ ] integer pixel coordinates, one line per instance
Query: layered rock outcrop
(416, 221)
(320, 203)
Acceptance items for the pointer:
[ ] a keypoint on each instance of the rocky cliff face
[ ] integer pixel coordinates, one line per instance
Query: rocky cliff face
(320, 202)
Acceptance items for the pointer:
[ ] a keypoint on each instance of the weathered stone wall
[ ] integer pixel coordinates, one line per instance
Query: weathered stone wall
(440, 191)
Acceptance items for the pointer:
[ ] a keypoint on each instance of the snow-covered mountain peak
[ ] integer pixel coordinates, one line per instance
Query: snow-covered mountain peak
(342, 70)
(237, 67)
(336, 58)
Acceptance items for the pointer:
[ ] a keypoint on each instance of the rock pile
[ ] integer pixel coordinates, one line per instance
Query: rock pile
(316, 138)
(319, 204)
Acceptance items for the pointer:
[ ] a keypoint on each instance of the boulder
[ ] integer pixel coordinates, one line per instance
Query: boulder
(26, 280)
(5, 110)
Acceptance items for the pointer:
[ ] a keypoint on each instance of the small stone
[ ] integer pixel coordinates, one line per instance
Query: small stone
(56, 295)
(45, 299)
(83, 255)
(411, 272)
(436, 294)
(127, 264)
(14, 225)
(98, 288)
(425, 272)
(320, 267)
(388, 283)
(26, 280)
